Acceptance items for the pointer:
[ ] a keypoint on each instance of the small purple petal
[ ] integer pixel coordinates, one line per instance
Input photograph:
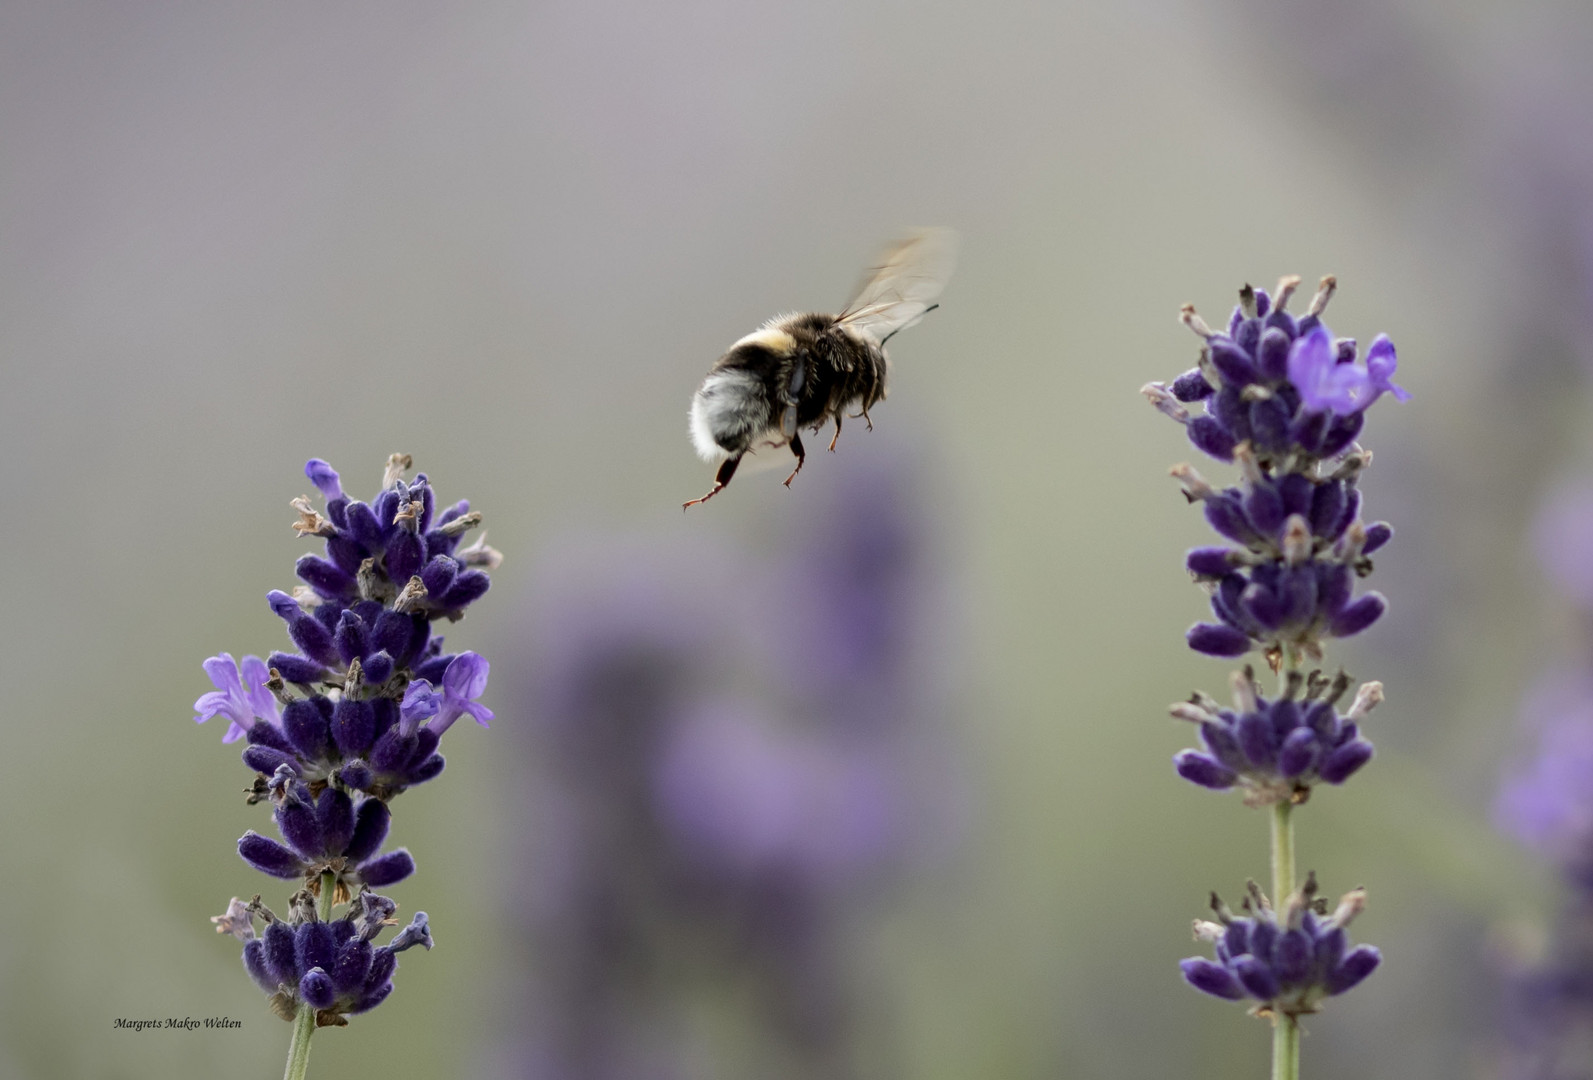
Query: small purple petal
(1344, 762)
(296, 669)
(1227, 516)
(353, 965)
(326, 578)
(438, 575)
(382, 965)
(468, 587)
(305, 723)
(1209, 562)
(1298, 753)
(300, 827)
(317, 990)
(1200, 769)
(324, 477)
(268, 759)
(373, 997)
(1191, 386)
(281, 959)
(1231, 362)
(254, 962)
(1269, 424)
(1219, 739)
(351, 638)
(378, 668)
(1257, 738)
(1210, 437)
(1360, 963)
(371, 819)
(353, 726)
(1381, 362)
(1263, 505)
(1291, 957)
(1340, 433)
(1211, 978)
(405, 556)
(1359, 615)
(393, 633)
(463, 682)
(1329, 950)
(1377, 534)
(1273, 354)
(268, 856)
(420, 703)
(314, 947)
(335, 812)
(393, 867)
(1217, 640)
(1256, 977)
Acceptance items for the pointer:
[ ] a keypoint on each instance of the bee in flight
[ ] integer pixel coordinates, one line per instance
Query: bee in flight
(797, 371)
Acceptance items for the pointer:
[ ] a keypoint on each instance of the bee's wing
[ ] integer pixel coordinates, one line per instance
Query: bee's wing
(904, 285)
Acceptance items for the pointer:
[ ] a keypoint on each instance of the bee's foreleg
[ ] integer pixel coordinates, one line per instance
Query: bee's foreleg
(801, 456)
(721, 481)
(837, 434)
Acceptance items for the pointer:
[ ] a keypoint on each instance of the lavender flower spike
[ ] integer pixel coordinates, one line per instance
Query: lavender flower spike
(463, 682)
(1285, 401)
(337, 730)
(240, 695)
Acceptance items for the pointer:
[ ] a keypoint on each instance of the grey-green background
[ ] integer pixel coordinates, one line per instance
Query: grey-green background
(509, 238)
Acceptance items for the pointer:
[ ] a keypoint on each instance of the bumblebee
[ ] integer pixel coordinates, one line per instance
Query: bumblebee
(799, 371)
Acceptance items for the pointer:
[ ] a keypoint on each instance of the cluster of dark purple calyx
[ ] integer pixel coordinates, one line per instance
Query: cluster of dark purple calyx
(1274, 751)
(362, 624)
(1286, 962)
(1291, 581)
(330, 965)
(327, 831)
(357, 740)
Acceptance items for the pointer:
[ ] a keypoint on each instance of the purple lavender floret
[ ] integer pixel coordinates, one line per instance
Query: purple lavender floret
(1275, 750)
(1286, 962)
(240, 695)
(1286, 401)
(333, 966)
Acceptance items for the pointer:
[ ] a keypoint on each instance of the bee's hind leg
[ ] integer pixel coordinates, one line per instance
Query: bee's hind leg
(721, 481)
(837, 434)
(801, 456)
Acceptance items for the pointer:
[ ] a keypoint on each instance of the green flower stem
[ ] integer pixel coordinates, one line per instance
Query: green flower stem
(304, 1020)
(1285, 1029)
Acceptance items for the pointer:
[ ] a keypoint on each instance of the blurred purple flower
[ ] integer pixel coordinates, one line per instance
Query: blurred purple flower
(749, 797)
(1547, 802)
(1562, 538)
(713, 780)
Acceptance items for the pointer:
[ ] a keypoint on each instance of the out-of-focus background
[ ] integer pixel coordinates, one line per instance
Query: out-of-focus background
(704, 838)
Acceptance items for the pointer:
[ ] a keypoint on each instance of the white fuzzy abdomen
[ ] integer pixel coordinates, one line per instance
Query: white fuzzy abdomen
(727, 409)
